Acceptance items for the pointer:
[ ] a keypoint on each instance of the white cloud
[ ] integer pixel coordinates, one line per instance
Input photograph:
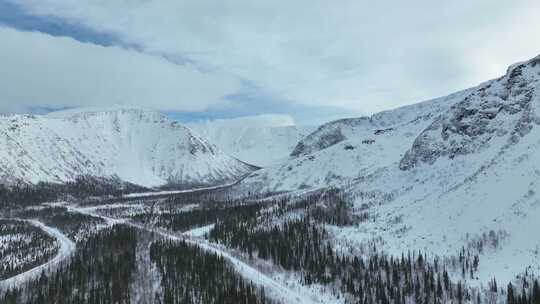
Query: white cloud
(41, 70)
(362, 55)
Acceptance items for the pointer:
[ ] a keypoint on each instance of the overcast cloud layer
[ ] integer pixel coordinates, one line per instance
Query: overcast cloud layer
(363, 56)
(39, 70)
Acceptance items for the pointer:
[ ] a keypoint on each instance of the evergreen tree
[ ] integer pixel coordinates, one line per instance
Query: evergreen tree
(510, 298)
(535, 298)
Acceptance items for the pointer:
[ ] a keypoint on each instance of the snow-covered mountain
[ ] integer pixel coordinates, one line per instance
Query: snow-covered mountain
(135, 145)
(458, 171)
(260, 140)
(340, 151)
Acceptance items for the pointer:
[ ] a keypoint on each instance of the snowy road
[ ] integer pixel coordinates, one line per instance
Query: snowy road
(273, 287)
(170, 192)
(65, 250)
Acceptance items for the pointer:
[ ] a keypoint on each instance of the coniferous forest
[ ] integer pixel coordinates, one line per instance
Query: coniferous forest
(134, 262)
(190, 275)
(23, 247)
(303, 245)
(100, 271)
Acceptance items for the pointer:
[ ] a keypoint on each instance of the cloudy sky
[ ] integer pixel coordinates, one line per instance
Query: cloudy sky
(315, 60)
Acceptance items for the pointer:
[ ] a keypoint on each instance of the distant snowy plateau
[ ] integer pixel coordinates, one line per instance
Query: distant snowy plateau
(261, 140)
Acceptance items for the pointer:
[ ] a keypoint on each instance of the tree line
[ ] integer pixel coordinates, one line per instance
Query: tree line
(185, 220)
(24, 194)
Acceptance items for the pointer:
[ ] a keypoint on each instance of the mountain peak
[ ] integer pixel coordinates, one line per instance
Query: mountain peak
(502, 110)
(137, 145)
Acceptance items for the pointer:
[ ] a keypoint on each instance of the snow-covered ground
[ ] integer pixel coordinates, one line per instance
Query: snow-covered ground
(199, 232)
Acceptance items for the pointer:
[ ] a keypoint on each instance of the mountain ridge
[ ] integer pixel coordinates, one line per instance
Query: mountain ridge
(136, 145)
(450, 178)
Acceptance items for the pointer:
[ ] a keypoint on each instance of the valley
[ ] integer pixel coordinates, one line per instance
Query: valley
(276, 248)
(435, 202)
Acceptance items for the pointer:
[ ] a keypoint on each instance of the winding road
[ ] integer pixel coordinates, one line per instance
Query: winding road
(273, 287)
(64, 251)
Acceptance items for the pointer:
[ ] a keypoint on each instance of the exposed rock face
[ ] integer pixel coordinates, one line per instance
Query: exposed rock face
(322, 138)
(382, 123)
(344, 150)
(503, 108)
(482, 121)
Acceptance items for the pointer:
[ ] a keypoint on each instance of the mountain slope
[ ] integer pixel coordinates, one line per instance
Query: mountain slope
(261, 140)
(458, 172)
(135, 145)
(340, 151)
(470, 179)
(505, 108)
